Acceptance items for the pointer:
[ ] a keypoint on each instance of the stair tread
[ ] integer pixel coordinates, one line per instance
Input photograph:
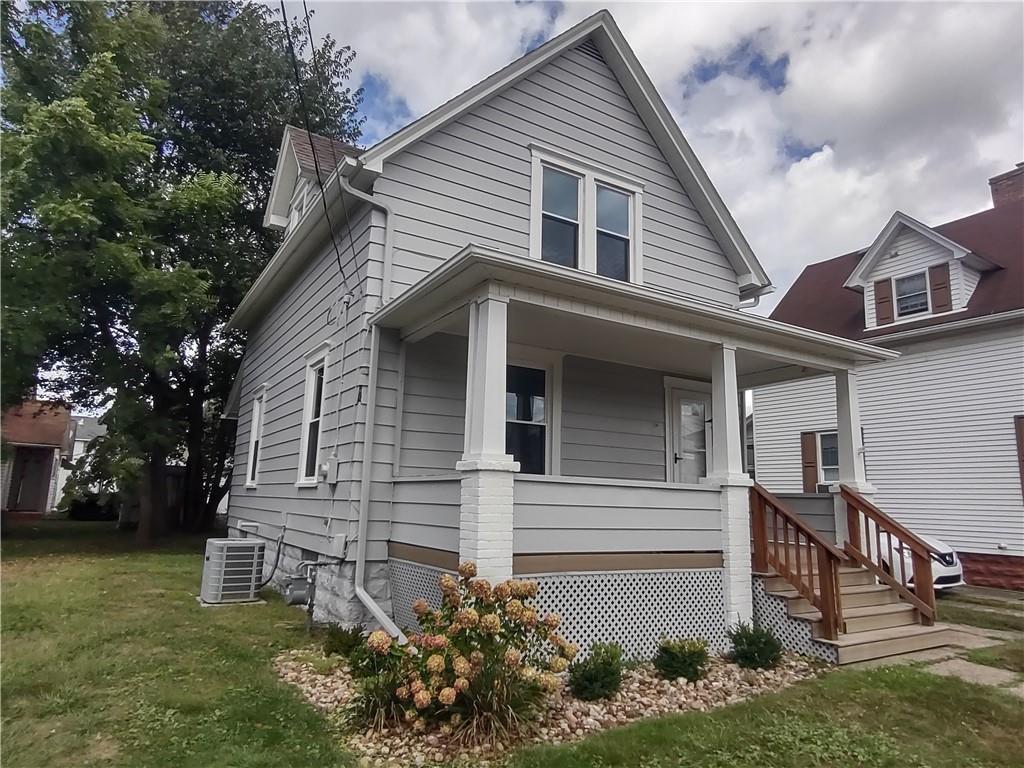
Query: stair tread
(859, 611)
(889, 633)
(852, 589)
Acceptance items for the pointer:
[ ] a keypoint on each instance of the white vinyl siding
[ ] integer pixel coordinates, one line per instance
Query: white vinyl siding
(938, 435)
(470, 181)
(915, 253)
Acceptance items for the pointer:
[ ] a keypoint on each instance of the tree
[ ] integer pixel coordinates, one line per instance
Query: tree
(139, 146)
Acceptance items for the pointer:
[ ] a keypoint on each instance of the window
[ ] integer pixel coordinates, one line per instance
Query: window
(911, 294)
(255, 438)
(560, 227)
(309, 450)
(526, 417)
(828, 457)
(585, 218)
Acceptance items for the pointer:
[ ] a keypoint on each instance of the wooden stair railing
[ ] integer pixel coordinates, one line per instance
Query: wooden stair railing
(873, 535)
(781, 539)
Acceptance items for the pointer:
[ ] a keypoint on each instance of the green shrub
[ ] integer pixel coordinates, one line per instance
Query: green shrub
(342, 641)
(681, 658)
(478, 669)
(754, 647)
(599, 675)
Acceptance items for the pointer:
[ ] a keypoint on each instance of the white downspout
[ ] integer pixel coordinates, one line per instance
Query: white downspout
(348, 165)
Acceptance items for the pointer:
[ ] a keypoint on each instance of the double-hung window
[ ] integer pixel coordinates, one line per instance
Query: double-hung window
(585, 218)
(828, 457)
(255, 437)
(911, 293)
(526, 418)
(312, 416)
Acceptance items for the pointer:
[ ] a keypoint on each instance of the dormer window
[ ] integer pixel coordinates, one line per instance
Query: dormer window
(585, 218)
(911, 294)
(301, 198)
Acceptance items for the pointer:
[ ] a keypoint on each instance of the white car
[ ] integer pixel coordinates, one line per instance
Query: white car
(947, 572)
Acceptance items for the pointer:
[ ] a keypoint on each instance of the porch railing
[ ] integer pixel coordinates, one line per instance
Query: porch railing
(784, 543)
(883, 546)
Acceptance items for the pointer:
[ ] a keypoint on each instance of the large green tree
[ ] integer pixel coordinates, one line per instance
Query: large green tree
(138, 149)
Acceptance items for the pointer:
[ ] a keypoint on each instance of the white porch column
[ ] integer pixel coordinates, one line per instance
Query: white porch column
(485, 521)
(851, 447)
(727, 471)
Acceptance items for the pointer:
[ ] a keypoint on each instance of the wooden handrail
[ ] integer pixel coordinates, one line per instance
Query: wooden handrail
(859, 540)
(816, 577)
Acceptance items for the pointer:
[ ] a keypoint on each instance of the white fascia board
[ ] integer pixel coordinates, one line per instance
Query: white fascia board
(943, 329)
(649, 105)
(858, 279)
(276, 215)
(474, 265)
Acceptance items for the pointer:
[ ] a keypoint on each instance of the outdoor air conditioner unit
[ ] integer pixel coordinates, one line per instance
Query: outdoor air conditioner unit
(233, 571)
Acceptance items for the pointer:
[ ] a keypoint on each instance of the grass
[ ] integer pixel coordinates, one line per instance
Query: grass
(109, 661)
(963, 614)
(1007, 656)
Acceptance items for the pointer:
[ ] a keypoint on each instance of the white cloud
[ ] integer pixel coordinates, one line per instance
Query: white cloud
(908, 106)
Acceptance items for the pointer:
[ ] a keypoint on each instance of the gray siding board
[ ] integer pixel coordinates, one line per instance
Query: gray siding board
(426, 513)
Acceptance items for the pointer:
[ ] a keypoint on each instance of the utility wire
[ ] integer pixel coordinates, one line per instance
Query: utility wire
(312, 146)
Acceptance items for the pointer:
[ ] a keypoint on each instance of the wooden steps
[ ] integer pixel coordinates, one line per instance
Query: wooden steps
(876, 622)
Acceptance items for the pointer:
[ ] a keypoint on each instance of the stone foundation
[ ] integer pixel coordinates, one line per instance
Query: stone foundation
(1000, 571)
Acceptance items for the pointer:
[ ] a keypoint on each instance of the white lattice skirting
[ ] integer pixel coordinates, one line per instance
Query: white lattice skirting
(795, 635)
(634, 609)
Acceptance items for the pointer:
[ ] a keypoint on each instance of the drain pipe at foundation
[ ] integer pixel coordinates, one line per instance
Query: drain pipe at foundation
(349, 166)
(364, 494)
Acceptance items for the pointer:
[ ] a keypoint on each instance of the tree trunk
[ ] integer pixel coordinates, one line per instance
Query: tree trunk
(152, 492)
(193, 493)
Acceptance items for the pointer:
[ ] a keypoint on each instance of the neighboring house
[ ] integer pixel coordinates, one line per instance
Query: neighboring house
(84, 429)
(517, 339)
(943, 424)
(36, 436)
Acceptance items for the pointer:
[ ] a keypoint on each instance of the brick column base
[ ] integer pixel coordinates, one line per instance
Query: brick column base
(485, 518)
(736, 554)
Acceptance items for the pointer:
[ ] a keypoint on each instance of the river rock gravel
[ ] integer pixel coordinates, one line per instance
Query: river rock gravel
(328, 685)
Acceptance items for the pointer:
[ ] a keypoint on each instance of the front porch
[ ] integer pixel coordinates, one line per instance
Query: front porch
(588, 435)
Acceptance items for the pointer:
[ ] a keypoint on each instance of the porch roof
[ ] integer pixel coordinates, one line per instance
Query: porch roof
(451, 284)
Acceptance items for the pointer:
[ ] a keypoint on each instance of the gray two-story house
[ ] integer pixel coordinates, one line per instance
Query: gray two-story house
(511, 333)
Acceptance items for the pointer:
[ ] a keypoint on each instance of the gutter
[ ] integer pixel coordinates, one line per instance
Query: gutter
(364, 495)
(347, 168)
(938, 329)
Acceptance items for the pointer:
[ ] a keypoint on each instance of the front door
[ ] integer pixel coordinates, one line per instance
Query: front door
(690, 435)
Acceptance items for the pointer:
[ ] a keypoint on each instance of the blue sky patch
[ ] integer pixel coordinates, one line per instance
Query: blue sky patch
(382, 108)
(745, 61)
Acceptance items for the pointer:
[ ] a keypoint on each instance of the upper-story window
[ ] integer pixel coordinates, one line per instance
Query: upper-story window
(911, 294)
(301, 198)
(585, 218)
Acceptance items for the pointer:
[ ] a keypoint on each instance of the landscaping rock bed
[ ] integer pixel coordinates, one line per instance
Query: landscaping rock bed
(328, 686)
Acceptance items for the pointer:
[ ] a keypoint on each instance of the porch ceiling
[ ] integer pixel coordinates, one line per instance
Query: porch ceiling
(583, 314)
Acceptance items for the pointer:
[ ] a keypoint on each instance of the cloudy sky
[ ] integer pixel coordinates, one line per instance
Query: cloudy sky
(814, 120)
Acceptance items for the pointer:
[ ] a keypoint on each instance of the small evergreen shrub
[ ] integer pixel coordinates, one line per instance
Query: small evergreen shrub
(681, 658)
(342, 641)
(599, 675)
(754, 647)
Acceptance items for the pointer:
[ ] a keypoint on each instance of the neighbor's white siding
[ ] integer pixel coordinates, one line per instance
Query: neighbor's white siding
(915, 254)
(938, 433)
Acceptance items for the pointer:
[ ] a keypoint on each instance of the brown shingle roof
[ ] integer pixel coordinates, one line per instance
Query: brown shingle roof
(329, 151)
(37, 423)
(818, 300)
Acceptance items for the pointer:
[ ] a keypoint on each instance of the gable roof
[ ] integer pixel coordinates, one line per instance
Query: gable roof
(606, 36)
(37, 422)
(995, 235)
(861, 274)
(329, 151)
(88, 428)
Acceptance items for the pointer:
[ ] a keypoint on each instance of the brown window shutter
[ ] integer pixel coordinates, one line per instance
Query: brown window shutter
(938, 281)
(1018, 428)
(809, 460)
(883, 302)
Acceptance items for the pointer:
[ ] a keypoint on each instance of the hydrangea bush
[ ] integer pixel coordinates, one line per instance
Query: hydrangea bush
(478, 669)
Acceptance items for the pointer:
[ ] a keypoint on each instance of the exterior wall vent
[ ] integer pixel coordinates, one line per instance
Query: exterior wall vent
(232, 571)
(590, 49)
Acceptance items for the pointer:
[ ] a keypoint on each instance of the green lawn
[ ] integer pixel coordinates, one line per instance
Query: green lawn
(1007, 655)
(108, 660)
(960, 613)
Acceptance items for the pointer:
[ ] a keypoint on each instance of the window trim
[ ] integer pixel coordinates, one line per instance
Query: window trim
(551, 363)
(897, 315)
(591, 176)
(258, 411)
(318, 357)
(821, 464)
